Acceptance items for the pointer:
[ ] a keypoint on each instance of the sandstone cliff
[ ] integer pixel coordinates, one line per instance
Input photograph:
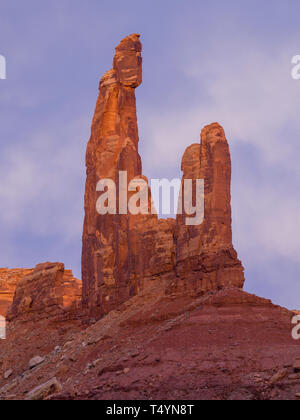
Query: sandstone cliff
(9, 278)
(46, 292)
(122, 253)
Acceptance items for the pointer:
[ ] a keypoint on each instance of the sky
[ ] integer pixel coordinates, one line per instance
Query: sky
(228, 62)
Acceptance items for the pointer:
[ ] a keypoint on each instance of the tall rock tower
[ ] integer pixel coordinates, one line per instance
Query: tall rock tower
(116, 255)
(113, 147)
(121, 252)
(206, 258)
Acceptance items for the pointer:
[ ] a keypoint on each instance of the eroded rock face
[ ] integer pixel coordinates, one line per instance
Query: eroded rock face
(112, 259)
(154, 347)
(123, 252)
(46, 292)
(9, 279)
(206, 259)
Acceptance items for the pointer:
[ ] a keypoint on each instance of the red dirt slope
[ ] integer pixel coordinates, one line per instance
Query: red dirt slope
(226, 345)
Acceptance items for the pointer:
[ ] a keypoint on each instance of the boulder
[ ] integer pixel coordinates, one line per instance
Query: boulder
(36, 361)
(8, 374)
(44, 391)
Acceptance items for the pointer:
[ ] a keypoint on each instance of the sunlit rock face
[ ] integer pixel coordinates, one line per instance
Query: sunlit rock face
(122, 253)
(206, 259)
(47, 292)
(9, 278)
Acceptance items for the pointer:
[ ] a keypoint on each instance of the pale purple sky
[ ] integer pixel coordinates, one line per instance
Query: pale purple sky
(203, 62)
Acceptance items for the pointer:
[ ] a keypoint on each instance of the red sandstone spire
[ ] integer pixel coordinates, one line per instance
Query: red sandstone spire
(113, 147)
(206, 259)
(122, 253)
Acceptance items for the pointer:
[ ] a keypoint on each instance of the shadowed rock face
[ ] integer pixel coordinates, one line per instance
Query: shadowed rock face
(123, 253)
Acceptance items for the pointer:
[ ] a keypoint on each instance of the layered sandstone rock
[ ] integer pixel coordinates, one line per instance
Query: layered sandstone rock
(47, 292)
(225, 345)
(123, 252)
(206, 259)
(9, 279)
(113, 258)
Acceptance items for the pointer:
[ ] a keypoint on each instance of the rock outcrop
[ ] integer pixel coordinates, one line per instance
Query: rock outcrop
(112, 148)
(123, 252)
(183, 328)
(47, 292)
(206, 259)
(9, 279)
(116, 258)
